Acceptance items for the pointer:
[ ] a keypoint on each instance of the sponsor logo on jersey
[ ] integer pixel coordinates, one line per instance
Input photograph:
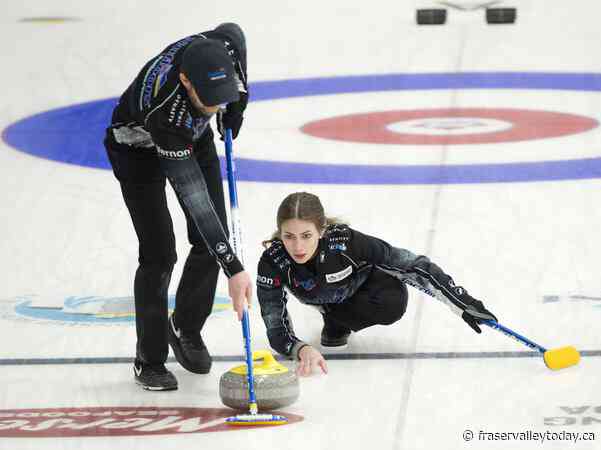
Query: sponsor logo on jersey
(175, 154)
(158, 67)
(176, 109)
(308, 285)
(268, 282)
(162, 77)
(109, 422)
(338, 276)
(337, 228)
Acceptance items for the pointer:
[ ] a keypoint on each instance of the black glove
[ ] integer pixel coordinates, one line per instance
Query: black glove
(232, 117)
(475, 313)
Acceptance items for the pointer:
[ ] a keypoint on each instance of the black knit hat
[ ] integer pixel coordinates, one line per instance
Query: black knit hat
(206, 63)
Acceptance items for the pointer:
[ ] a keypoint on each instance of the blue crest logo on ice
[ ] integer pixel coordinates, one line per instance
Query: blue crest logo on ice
(87, 311)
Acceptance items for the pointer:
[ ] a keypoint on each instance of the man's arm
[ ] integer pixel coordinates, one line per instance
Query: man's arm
(173, 141)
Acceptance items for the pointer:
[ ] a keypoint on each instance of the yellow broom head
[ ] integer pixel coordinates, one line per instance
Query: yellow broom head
(560, 358)
(256, 419)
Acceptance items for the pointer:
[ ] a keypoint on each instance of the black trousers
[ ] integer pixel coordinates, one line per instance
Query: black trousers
(381, 300)
(143, 188)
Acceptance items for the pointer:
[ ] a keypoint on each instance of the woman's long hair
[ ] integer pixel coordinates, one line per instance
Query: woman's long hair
(302, 206)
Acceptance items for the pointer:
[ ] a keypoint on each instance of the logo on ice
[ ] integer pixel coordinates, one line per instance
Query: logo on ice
(127, 421)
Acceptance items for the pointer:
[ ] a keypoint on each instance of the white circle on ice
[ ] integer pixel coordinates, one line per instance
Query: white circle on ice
(444, 126)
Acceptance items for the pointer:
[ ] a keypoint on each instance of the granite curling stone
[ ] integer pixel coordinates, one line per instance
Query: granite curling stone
(276, 386)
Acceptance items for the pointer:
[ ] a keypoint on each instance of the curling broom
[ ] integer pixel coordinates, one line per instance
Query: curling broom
(253, 417)
(555, 359)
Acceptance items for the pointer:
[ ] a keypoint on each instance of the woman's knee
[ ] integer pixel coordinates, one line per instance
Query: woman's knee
(395, 301)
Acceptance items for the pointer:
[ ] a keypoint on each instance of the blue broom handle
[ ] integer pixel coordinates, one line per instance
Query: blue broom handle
(231, 170)
(231, 181)
(250, 377)
(512, 334)
(237, 244)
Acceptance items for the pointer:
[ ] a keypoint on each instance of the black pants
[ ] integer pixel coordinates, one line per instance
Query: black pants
(381, 300)
(143, 188)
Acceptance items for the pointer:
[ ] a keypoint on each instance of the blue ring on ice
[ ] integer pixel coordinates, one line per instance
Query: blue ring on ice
(50, 134)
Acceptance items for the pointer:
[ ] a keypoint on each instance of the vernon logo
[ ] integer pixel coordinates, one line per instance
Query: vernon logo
(84, 310)
(268, 281)
(117, 421)
(179, 154)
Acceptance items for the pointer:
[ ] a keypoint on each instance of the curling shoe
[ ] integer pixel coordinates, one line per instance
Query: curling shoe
(189, 349)
(154, 377)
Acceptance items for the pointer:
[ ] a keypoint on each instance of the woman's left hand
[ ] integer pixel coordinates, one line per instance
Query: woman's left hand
(310, 359)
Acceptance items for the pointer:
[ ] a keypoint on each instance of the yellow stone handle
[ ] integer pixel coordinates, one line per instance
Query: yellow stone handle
(268, 359)
(267, 365)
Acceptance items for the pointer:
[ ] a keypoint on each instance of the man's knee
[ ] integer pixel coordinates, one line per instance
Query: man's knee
(158, 269)
(158, 260)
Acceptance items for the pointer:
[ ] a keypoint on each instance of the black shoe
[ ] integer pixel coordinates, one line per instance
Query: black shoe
(190, 351)
(154, 377)
(333, 334)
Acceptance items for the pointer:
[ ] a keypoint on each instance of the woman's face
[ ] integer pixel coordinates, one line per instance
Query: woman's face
(300, 238)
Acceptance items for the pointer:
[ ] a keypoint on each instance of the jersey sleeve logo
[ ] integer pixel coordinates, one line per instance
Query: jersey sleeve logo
(175, 154)
(338, 276)
(269, 283)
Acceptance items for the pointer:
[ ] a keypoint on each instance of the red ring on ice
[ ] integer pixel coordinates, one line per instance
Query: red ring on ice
(526, 125)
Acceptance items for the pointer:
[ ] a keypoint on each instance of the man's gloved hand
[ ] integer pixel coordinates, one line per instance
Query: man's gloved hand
(475, 313)
(232, 117)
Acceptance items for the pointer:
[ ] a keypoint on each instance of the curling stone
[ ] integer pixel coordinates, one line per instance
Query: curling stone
(431, 16)
(275, 385)
(501, 15)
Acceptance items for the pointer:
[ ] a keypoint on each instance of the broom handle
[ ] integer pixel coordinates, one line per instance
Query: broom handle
(516, 336)
(237, 244)
(231, 182)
